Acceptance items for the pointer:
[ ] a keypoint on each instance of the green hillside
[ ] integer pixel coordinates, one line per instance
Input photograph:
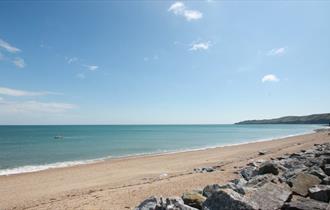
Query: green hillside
(309, 119)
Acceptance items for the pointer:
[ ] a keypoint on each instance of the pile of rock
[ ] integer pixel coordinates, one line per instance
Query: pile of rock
(293, 181)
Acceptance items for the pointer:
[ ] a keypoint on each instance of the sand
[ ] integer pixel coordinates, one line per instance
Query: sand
(125, 182)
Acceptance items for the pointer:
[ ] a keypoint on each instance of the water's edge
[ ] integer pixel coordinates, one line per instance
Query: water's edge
(36, 168)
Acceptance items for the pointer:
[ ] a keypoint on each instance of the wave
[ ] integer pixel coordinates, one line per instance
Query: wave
(35, 168)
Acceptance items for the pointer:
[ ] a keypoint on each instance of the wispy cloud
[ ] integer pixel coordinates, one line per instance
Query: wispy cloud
(8, 50)
(14, 92)
(270, 78)
(91, 67)
(155, 57)
(34, 107)
(71, 60)
(81, 76)
(200, 46)
(19, 62)
(178, 8)
(277, 51)
(8, 47)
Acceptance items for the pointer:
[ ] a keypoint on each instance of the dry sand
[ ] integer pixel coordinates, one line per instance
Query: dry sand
(123, 183)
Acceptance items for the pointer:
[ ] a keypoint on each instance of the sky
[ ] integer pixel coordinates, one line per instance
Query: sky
(162, 62)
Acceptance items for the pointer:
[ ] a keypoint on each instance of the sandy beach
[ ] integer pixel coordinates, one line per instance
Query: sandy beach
(123, 183)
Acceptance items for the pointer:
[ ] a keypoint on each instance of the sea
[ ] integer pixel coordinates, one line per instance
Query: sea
(34, 148)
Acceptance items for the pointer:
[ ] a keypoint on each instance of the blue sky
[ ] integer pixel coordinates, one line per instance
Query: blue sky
(145, 62)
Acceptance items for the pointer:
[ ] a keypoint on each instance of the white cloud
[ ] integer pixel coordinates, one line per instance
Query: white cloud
(34, 107)
(192, 15)
(72, 60)
(178, 8)
(8, 47)
(200, 46)
(270, 78)
(81, 76)
(15, 92)
(19, 62)
(91, 67)
(277, 51)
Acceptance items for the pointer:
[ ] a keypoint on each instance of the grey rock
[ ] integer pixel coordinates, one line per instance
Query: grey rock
(301, 203)
(269, 196)
(227, 199)
(263, 152)
(317, 171)
(327, 169)
(193, 199)
(172, 203)
(302, 182)
(148, 204)
(268, 167)
(249, 172)
(326, 180)
(204, 170)
(210, 189)
(260, 180)
(320, 193)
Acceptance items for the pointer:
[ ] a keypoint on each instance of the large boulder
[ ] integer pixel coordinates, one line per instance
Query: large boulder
(193, 199)
(317, 171)
(302, 182)
(172, 203)
(249, 172)
(320, 193)
(301, 203)
(228, 199)
(269, 196)
(149, 203)
(268, 167)
(210, 189)
(327, 169)
(260, 180)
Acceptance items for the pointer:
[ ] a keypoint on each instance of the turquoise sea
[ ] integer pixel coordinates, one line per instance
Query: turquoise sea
(33, 148)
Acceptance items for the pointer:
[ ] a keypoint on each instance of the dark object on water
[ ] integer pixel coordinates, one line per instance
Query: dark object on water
(58, 137)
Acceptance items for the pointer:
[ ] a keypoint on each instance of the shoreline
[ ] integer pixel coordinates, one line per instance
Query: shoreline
(65, 164)
(122, 183)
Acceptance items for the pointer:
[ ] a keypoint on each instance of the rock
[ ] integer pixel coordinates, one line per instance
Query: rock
(210, 189)
(269, 196)
(260, 180)
(149, 203)
(320, 193)
(263, 152)
(268, 167)
(317, 172)
(248, 172)
(193, 199)
(227, 199)
(301, 203)
(208, 169)
(204, 170)
(302, 182)
(326, 180)
(327, 169)
(174, 203)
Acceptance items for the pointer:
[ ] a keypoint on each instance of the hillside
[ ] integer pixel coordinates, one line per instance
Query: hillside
(309, 119)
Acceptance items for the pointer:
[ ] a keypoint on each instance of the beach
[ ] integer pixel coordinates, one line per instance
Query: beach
(122, 183)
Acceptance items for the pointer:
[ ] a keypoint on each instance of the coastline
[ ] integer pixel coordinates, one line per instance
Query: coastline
(122, 183)
(56, 165)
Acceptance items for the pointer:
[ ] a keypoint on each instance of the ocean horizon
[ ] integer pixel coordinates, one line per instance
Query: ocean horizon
(29, 148)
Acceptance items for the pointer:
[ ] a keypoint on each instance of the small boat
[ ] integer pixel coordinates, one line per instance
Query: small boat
(58, 137)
